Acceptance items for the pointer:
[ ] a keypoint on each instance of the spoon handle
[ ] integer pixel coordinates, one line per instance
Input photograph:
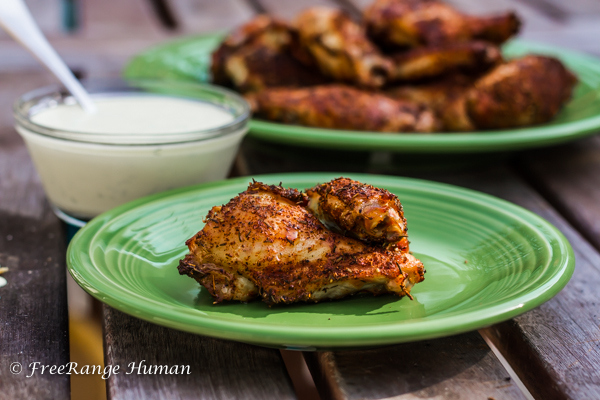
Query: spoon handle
(18, 22)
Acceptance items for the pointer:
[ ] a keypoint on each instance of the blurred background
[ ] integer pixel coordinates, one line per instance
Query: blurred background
(97, 37)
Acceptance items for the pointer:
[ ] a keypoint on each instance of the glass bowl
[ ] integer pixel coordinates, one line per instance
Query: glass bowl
(87, 173)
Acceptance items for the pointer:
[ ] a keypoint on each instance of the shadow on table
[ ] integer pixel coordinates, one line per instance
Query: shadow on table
(427, 369)
(264, 157)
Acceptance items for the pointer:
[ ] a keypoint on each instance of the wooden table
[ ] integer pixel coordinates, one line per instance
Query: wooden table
(554, 350)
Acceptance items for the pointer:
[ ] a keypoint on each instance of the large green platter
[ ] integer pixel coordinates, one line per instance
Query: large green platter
(189, 59)
(487, 260)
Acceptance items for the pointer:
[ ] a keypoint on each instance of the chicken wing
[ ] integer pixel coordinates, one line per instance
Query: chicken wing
(342, 107)
(340, 47)
(367, 213)
(446, 97)
(264, 243)
(412, 23)
(248, 57)
(525, 91)
(430, 62)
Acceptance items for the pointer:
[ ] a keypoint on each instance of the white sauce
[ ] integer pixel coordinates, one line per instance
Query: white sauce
(2, 282)
(84, 179)
(136, 114)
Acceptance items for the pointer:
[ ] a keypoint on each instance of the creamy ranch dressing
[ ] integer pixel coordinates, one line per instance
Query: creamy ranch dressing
(84, 178)
(133, 114)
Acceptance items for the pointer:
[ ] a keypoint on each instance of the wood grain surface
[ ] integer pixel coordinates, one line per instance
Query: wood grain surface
(458, 367)
(33, 311)
(555, 349)
(219, 369)
(569, 176)
(33, 305)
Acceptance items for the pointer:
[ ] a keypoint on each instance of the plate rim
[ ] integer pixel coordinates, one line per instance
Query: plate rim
(435, 142)
(314, 338)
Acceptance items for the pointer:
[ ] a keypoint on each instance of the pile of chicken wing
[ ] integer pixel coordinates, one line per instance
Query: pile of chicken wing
(284, 246)
(407, 66)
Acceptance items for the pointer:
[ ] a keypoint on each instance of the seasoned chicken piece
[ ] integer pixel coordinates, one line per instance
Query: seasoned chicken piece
(446, 97)
(435, 94)
(261, 26)
(362, 211)
(342, 107)
(264, 243)
(412, 23)
(525, 91)
(341, 48)
(429, 62)
(260, 54)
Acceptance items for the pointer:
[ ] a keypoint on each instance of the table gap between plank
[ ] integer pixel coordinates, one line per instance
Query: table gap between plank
(560, 336)
(460, 366)
(33, 315)
(220, 369)
(569, 178)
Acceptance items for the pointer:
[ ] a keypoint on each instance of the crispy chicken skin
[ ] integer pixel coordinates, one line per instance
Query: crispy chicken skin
(262, 28)
(340, 47)
(429, 62)
(260, 54)
(436, 94)
(525, 91)
(342, 107)
(264, 243)
(412, 23)
(367, 213)
(446, 97)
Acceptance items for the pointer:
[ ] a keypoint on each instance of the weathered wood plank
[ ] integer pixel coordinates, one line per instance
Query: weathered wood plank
(97, 46)
(289, 9)
(577, 7)
(117, 19)
(555, 349)
(47, 14)
(33, 311)
(569, 176)
(34, 325)
(459, 367)
(100, 59)
(219, 369)
(207, 16)
(20, 189)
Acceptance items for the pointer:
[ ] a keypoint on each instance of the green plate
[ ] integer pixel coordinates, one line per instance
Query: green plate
(487, 260)
(189, 59)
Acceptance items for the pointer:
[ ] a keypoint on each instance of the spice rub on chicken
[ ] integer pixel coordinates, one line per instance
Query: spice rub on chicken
(266, 244)
(367, 213)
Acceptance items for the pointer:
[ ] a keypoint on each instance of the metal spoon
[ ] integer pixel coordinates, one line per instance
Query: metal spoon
(18, 22)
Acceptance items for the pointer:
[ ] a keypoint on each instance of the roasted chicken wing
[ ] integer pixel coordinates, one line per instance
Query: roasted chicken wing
(429, 62)
(260, 55)
(342, 107)
(525, 91)
(412, 23)
(367, 213)
(340, 47)
(446, 97)
(264, 243)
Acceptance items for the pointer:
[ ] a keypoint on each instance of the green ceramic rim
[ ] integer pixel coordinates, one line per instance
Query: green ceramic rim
(188, 59)
(553, 252)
